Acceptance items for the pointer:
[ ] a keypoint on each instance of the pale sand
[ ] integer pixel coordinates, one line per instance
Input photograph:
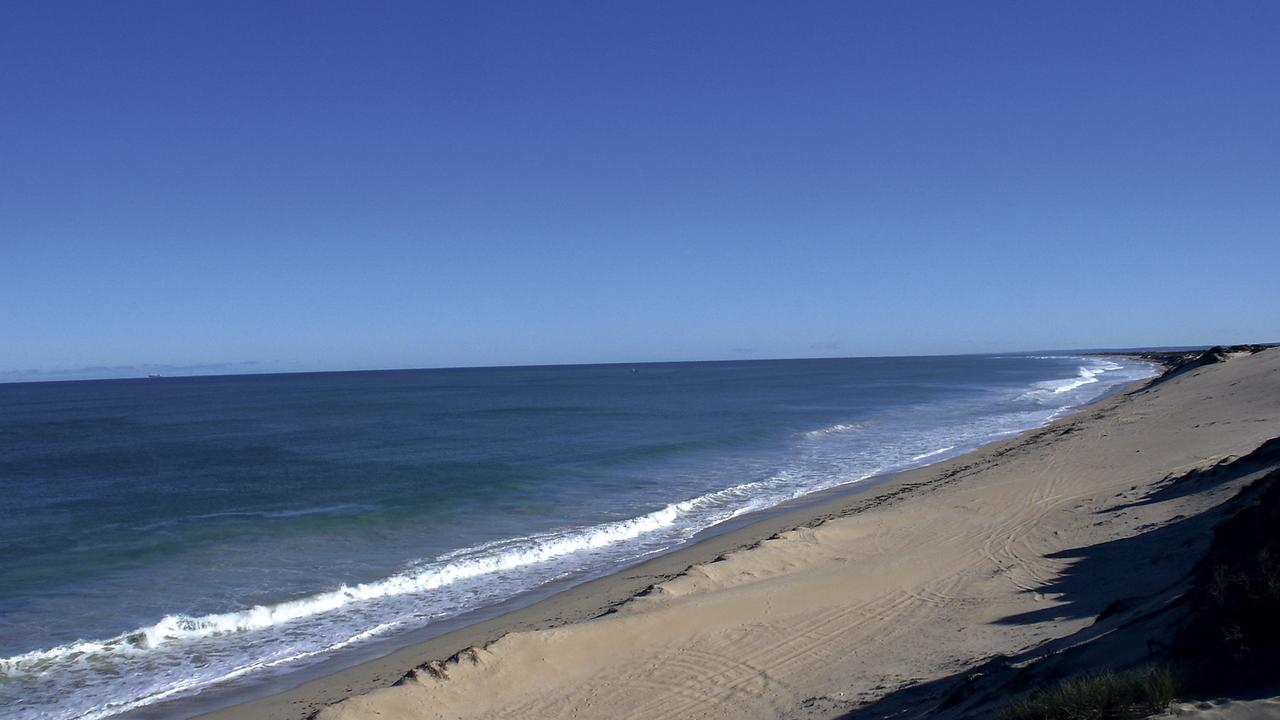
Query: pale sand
(913, 581)
(1266, 709)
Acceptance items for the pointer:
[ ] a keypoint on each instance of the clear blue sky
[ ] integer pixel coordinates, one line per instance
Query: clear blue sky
(324, 186)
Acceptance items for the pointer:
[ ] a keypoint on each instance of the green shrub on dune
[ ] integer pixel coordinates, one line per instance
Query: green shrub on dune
(1229, 642)
(1103, 696)
(1233, 639)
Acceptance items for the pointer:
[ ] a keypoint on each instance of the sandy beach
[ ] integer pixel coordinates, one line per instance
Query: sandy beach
(1052, 544)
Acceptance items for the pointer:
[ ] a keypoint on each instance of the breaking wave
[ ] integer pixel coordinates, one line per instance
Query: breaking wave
(278, 634)
(1085, 375)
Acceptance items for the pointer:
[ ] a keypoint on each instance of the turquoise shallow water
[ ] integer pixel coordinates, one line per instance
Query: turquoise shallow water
(164, 536)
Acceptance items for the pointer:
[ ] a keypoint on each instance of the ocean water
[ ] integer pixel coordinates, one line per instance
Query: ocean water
(163, 536)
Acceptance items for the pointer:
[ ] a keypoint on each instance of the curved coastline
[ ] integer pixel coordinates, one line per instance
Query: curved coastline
(302, 693)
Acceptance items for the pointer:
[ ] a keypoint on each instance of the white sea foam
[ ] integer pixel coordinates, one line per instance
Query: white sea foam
(1087, 374)
(833, 429)
(522, 552)
(115, 708)
(932, 453)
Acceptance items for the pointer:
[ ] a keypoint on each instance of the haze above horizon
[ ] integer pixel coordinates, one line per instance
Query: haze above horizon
(324, 186)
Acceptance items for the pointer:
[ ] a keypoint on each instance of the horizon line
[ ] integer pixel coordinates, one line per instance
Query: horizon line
(159, 376)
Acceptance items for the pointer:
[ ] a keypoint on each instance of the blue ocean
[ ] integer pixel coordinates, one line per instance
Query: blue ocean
(161, 537)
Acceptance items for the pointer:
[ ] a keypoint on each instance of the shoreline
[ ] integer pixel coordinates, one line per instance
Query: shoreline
(541, 608)
(285, 698)
(549, 608)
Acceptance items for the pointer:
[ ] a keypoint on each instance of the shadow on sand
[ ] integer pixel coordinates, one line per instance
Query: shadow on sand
(1132, 587)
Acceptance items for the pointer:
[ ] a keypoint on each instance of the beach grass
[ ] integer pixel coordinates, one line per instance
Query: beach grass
(1134, 693)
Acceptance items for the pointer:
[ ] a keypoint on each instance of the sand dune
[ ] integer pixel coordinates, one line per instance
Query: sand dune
(913, 581)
